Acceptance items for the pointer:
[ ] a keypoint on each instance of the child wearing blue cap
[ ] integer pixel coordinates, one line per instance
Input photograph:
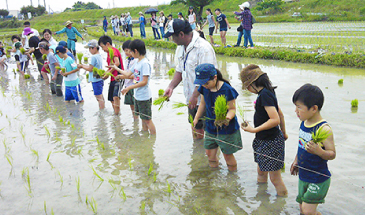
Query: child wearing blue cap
(72, 81)
(225, 134)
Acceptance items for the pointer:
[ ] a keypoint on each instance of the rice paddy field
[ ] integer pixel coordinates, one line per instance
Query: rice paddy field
(58, 158)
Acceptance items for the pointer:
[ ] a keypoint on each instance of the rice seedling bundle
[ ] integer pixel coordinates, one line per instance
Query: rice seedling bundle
(220, 108)
(95, 71)
(160, 101)
(57, 67)
(79, 57)
(110, 74)
(320, 135)
(22, 50)
(340, 81)
(111, 55)
(161, 92)
(241, 113)
(101, 72)
(44, 57)
(27, 76)
(355, 103)
(171, 71)
(87, 76)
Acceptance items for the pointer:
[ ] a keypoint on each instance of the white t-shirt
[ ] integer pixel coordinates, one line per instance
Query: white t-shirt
(191, 18)
(140, 69)
(26, 43)
(161, 20)
(130, 63)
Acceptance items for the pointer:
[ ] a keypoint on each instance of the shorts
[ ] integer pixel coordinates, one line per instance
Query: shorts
(114, 90)
(223, 29)
(143, 109)
(73, 93)
(312, 193)
(201, 122)
(17, 59)
(274, 148)
(234, 139)
(211, 30)
(129, 98)
(193, 26)
(98, 87)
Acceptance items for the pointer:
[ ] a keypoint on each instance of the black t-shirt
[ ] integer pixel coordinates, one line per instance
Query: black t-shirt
(33, 43)
(265, 98)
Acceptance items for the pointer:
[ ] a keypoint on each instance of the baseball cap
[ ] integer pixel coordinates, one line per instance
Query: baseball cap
(177, 25)
(60, 49)
(191, 7)
(204, 72)
(62, 43)
(179, 13)
(92, 44)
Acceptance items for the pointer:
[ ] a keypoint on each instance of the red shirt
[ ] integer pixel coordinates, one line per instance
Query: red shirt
(116, 54)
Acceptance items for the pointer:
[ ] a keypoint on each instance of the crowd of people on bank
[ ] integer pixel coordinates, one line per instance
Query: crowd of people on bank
(123, 25)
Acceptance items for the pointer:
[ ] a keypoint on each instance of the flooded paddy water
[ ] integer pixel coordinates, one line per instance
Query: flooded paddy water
(75, 159)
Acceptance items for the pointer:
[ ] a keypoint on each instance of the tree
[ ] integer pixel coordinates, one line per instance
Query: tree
(4, 12)
(35, 11)
(197, 4)
(83, 6)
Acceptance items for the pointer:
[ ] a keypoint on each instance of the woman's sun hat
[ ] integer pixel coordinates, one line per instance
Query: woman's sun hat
(27, 31)
(250, 74)
(68, 23)
(245, 5)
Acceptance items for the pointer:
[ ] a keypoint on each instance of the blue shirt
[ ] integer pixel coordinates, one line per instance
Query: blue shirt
(221, 19)
(97, 62)
(141, 20)
(209, 98)
(71, 33)
(308, 160)
(105, 23)
(140, 69)
(71, 80)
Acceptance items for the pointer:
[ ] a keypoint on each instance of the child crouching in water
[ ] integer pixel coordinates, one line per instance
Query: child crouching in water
(269, 142)
(72, 81)
(314, 176)
(226, 134)
(141, 71)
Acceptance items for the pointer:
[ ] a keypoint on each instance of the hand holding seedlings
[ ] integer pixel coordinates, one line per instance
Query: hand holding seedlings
(248, 128)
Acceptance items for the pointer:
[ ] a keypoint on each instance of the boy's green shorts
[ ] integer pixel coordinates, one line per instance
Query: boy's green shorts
(129, 98)
(143, 109)
(234, 139)
(312, 193)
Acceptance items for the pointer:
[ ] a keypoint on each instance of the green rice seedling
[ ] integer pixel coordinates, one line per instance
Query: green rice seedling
(86, 59)
(220, 107)
(79, 57)
(96, 174)
(197, 211)
(61, 178)
(44, 57)
(47, 131)
(122, 194)
(143, 205)
(168, 189)
(179, 105)
(87, 201)
(354, 103)
(110, 74)
(93, 205)
(340, 82)
(77, 180)
(95, 71)
(22, 50)
(35, 154)
(21, 131)
(150, 169)
(87, 76)
(241, 113)
(57, 67)
(320, 135)
(73, 140)
(28, 95)
(17, 70)
(49, 155)
(161, 92)
(180, 113)
(160, 101)
(111, 55)
(27, 180)
(171, 72)
(52, 213)
(191, 120)
(26, 76)
(79, 151)
(9, 158)
(60, 118)
(45, 207)
(112, 184)
(154, 177)
(130, 163)
(101, 72)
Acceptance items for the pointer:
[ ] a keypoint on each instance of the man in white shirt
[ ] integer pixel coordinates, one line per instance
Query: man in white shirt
(192, 50)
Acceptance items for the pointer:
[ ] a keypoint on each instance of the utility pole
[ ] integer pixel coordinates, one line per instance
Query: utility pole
(45, 4)
(7, 5)
(31, 3)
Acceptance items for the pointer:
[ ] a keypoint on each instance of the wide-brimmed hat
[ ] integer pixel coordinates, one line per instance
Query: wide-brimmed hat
(27, 31)
(92, 44)
(249, 74)
(68, 23)
(244, 5)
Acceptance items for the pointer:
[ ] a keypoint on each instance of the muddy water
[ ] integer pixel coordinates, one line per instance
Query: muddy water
(169, 173)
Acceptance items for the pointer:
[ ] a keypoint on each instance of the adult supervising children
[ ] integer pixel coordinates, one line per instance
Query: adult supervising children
(219, 132)
(106, 43)
(246, 25)
(192, 51)
(223, 26)
(96, 81)
(71, 36)
(311, 159)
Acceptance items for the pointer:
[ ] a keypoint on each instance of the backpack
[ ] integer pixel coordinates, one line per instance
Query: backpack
(144, 21)
(253, 20)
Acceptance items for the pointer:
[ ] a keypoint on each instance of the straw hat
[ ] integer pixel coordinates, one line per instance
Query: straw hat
(68, 22)
(249, 74)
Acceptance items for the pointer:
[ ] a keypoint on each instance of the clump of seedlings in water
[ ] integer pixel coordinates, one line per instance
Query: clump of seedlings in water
(77, 180)
(79, 57)
(171, 72)
(96, 174)
(168, 189)
(320, 136)
(220, 110)
(25, 174)
(26, 76)
(35, 154)
(150, 169)
(160, 101)
(86, 59)
(161, 92)
(340, 82)
(130, 163)
(122, 194)
(354, 103)
(154, 177)
(93, 205)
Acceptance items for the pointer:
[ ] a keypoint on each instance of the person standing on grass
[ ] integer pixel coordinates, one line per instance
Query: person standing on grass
(116, 24)
(223, 26)
(129, 23)
(154, 26)
(141, 71)
(106, 43)
(211, 21)
(246, 24)
(142, 25)
(96, 81)
(162, 21)
(113, 23)
(180, 16)
(122, 23)
(192, 51)
(71, 36)
(269, 130)
(105, 24)
(192, 17)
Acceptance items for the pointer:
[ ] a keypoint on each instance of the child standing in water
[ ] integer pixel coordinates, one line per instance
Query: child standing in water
(269, 142)
(213, 85)
(313, 186)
